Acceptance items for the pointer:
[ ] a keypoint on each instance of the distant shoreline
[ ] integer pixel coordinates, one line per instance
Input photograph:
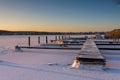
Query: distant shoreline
(4, 32)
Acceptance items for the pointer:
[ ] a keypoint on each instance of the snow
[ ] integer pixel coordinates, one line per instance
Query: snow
(35, 64)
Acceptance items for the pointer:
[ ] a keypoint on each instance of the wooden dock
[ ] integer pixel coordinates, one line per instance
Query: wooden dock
(67, 46)
(60, 48)
(90, 54)
(45, 47)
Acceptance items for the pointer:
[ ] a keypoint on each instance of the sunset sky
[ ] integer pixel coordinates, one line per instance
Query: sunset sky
(59, 15)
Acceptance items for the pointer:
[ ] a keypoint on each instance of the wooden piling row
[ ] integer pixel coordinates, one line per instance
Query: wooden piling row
(39, 40)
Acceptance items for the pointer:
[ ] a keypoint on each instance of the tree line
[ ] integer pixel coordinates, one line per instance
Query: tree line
(3, 32)
(114, 34)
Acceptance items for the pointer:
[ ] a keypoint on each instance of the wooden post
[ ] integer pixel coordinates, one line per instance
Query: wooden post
(56, 38)
(39, 40)
(46, 39)
(59, 37)
(29, 41)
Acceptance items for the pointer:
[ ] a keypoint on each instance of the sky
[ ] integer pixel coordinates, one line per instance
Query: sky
(59, 15)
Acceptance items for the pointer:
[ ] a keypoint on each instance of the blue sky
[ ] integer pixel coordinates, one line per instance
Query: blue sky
(59, 15)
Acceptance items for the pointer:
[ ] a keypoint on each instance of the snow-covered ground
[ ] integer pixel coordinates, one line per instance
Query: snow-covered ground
(49, 64)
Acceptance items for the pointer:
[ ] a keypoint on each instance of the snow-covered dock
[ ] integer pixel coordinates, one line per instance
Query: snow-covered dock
(90, 54)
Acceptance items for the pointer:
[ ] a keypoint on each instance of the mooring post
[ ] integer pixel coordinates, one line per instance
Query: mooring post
(46, 39)
(59, 37)
(29, 41)
(38, 39)
(56, 38)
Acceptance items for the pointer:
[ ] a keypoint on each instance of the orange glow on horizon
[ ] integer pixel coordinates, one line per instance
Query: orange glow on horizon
(52, 29)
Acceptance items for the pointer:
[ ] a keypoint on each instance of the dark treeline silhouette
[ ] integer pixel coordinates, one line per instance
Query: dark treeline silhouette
(114, 34)
(4, 32)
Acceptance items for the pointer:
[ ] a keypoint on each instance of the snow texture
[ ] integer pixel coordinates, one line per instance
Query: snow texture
(38, 64)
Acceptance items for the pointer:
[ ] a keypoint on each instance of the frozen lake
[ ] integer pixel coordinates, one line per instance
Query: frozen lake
(49, 64)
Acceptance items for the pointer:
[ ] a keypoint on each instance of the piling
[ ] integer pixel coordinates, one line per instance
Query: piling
(56, 38)
(29, 41)
(59, 37)
(38, 39)
(46, 39)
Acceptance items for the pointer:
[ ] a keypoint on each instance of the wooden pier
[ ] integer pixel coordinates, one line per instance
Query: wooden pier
(90, 54)
(67, 46)
(60, 48)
